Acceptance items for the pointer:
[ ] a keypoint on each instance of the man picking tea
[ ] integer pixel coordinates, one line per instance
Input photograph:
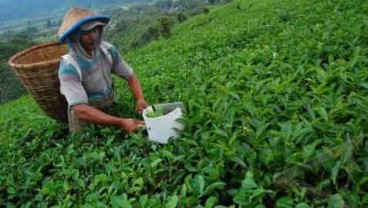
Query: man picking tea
(85, 72)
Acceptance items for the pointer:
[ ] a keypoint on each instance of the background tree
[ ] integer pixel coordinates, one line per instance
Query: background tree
(212, 1)
(166, 24)
(181, 17)
(48, 24)
(10, 86)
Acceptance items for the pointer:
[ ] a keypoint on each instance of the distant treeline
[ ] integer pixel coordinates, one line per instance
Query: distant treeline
(143, 23)
(10, 86)
(27, 9)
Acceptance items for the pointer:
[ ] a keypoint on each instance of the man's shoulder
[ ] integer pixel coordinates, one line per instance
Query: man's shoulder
(67, 61)
(68, 66)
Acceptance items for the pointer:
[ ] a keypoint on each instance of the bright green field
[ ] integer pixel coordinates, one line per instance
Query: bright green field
(276, 96)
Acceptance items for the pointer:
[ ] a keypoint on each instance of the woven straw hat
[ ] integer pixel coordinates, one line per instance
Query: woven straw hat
(90, 25)
(75, 18)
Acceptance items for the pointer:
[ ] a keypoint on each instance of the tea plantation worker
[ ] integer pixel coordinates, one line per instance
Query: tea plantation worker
(85, 72)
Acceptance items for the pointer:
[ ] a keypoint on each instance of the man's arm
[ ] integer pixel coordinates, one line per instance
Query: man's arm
(136, 89)
(122, 69)
(90, 114)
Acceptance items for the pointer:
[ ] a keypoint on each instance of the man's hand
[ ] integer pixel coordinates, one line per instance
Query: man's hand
(141, 105)
(131, 125)
(136, 89)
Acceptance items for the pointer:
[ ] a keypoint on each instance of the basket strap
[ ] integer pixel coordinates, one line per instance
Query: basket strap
(106, 51)
(71, 60)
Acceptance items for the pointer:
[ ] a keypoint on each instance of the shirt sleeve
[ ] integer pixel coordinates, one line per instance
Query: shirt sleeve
(71, 84)
(119, 66)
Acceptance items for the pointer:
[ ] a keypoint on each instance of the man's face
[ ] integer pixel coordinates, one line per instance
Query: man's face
(89, 39)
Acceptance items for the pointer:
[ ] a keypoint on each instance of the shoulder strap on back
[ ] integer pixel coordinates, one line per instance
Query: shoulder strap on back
(71, 60)
(106, 51)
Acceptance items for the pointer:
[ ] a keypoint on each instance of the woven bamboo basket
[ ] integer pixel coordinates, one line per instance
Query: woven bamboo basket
(37, 68)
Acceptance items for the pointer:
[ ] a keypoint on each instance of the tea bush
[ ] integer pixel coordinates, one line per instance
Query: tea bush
(276, 95)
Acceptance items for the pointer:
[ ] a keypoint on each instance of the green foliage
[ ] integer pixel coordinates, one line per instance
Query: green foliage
(157, 112)
(276, 100)
(142, 24)
(123, 25)
(165, 24)
(181, 17)
(31, 29)
(10, 85)
(48, 23)
(160, 28)
(212, 1)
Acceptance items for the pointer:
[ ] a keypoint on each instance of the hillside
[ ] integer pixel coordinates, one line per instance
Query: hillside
(25, 9)
(276, 95)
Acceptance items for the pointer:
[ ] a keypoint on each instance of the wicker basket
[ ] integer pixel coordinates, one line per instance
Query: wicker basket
(37, 68)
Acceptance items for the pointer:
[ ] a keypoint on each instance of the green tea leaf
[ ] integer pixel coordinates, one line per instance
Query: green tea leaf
(198, 184)
(121, 202)
(248, 183)
(210, 202)
(214, 186)
(173, 201)
(285, 202)
(336, 201)
(143, 201)
(302, 205)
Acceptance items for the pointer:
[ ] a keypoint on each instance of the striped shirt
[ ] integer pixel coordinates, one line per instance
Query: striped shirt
(91, 79)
